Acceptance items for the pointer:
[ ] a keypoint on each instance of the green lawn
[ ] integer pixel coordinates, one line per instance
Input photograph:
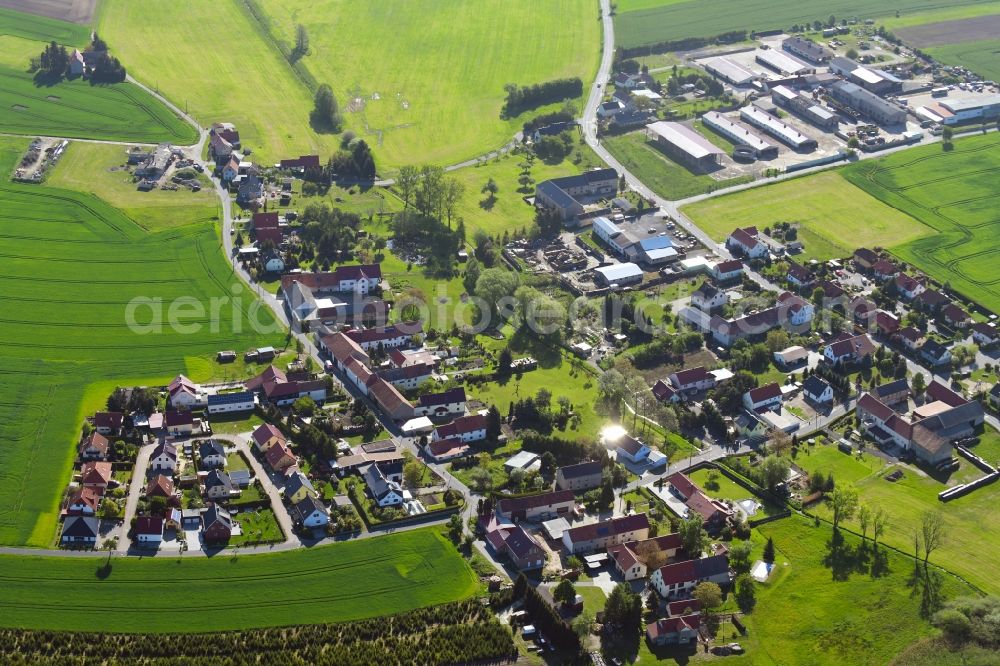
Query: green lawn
(833, 216)
(981, 56)
(952, 193)
(257, 526)
(120, 112)
(429, 75)
(337, 583)
(88, 167)
(593, 598)
(73, 265)
(650, 21)
(666, 177)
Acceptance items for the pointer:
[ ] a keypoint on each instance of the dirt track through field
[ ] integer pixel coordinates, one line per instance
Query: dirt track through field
(946, 32)
(77, 11)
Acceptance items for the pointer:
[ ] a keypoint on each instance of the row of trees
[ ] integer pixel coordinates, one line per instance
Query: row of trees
(522, 98)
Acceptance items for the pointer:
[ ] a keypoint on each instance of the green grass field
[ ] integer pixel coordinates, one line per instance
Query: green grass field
(982, 56)
(228, 74)
(119, 112)
(953, 193)
(41, 28)
(651, 22)
(666, 177)
(87, 167)
(347, 581)
(72, 265)
(430, 73)
(833, 216)
(968, 519)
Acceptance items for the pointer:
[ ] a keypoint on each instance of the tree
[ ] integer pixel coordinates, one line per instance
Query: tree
(844, 502)
(582, 623)
(494, 284)
(607, 496)
(413, 473)
(693, 535)
(933, 532)
(473, 270)
(768, 554)
(564, 593)
(407, 182)
(864, 520)
(493, 423)
(650, 554)
(880, 520)
(746, 593)
(709, 594)
(482, 479)
(777, 340)
(326, 111)
(623, 609)
(739, 556)
(301, 42)
(918, 384)
(773, 470)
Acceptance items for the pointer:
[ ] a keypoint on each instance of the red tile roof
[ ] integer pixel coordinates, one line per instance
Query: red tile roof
(510, 505)
(462, 425)
(264, 432)
(691, 376)
(265, 221)
(612, 526)
(765, 392)
(112, 420)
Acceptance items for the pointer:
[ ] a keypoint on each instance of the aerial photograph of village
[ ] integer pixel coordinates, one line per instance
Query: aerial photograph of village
(444, 332)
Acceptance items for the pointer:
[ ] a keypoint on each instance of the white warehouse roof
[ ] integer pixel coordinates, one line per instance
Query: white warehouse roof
(685, 139)
(618, 272)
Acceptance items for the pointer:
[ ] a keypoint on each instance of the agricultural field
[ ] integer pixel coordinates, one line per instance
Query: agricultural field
(347, 581)
(234, 75)
(907, 499)
(73, 265)
(649, 22)
(98, 168)
(969, 41)
(982, 57)
(664, 176)
(41, 28)
(117, 112)
(954, 193)
(423, 80)
(833, 216)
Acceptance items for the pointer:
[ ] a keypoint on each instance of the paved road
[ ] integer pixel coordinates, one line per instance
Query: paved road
(270, 487)
(136, 487)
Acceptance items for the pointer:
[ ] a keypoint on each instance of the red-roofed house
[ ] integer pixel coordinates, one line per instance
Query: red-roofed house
(267, 435)
(96, 475)
(279, 457)
(471, 428)
(94, 446)
(692, 380)
(763, 397)
(678, 579)
(627, 557)
(148, 530)
(984, 335)
(744, 242)
(664, 392)
(83, 502)
(955, 316)
(724, 271)
(908, 287)
(109, 423)
(886, 324)
(865, 258)
(443, 450)
(851, 349)
(600, 535)
(680, 630)
(909, 337)
(714, 513)
(534, 508)
(300, 163)
(883, 269)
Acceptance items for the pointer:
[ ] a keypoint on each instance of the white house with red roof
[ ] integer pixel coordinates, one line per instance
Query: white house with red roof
(908, 287)
(148, 531)
(692, 380)
(628, 557)
(849, 349)
(109, 423)
(443, 450)
(764, 397)
(604, 533)
(955, 316)
(677, 580)
(679, 630)
(723, 271)
(387, 337)
(984, 335)
(183, 393)
(471, 428)
(746, 241)
(267, 435)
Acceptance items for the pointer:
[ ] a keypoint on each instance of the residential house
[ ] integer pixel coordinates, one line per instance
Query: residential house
(355, 278)
(799, 275)
(397, 407)
(211, 453)
(309, 512)
(892, 393)
(83, 502)
(523, 549)
(77, 65)
(250, 189)
(994, 396)
(664, 392)
(955, 317)
(234, 401)
(909, 337)
(109, 423)
(908, 287)
(182, 393)
(161, 485)
(930, 300)
(408, 377)
(708, 297)
(984, 335)
(628, 557)
(148, 531)
(610, 108)
(865, 258)
(80, 531)
(217, 524)
(94, 446)
(604, 533)
(439, 405)
(631, 449)
(300, 163)
(746, 243)
(860, 310)
(677, 580)
(714, 513)
(179, 424)
(724, 271)
(886, 324)
(535, 508)
(96, 475)
(692, 380)
(164, 458)
(218, 485)
(385, 337)
(849, 349)
(297, 487)
(679, 630)
(267, 435)
(817, 390)
(764, 397)
(935, 353)
(581, 476)
(220, 149)
(443, 450)
(834, 295)
(279, 457)
(384, 491)
(471, 428)
(884, 270)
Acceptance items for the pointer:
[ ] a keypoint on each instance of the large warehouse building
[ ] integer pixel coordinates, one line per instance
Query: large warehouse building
(805, 107)
(867, 103)
(728, 70)
(618, 274)
(740, 135)
(979, 108)
(776, 128)
(873, 80)
(567, 195)
(807, 50)
(685, 146)
(782, 63)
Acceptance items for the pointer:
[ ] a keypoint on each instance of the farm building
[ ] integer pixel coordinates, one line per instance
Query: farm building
(685, 145)
(618, 274)
(776, 128)
(980, 108)
(873, 80)
(867, 103)
(807, 50)
(781, 63)
(805, 107)
(728, 70)
(739, 134)
(568, 195)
